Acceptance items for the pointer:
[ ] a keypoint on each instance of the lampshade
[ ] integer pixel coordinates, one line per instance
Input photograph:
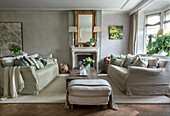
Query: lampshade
(97, 29)
(72, 29)
(160, 32)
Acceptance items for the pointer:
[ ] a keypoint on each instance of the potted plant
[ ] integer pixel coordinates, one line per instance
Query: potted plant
(161, 45)
(87, 62)
(91, 42)
(15, 49)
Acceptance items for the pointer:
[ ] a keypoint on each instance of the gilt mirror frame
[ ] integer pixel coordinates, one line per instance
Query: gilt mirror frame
(76, 22)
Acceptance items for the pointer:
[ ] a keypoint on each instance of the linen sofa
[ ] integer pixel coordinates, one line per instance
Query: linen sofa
(142, 81)
(36, 80)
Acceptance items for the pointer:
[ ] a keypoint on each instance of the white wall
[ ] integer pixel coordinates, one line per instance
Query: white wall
(116, 47)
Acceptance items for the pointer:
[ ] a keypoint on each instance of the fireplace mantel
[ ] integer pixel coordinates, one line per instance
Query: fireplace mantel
(85, 50)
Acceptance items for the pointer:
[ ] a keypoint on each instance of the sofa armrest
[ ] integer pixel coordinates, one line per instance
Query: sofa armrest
(136, 69)
(29, 75)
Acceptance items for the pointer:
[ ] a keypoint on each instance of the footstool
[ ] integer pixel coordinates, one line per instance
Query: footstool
(89, 92)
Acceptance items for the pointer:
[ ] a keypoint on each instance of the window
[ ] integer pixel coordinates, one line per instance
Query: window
(167, 21)
(153, 23)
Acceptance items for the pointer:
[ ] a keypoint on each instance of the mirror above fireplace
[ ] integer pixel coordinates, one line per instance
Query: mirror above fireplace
(84, 20)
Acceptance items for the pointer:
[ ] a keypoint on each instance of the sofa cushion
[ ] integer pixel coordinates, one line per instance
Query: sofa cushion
(20, 62)
(118, 62)
(39, 62)
(8, 61)
(35, 63)
(129, 60)
(153, 63)
(30, 62)
(47, 57)
(113, 57)
(47, 61)
(141, 62)
(122, 56)
(162, 63)
(34, 55)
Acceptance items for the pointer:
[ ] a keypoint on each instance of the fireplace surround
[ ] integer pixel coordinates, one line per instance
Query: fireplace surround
(83, 52)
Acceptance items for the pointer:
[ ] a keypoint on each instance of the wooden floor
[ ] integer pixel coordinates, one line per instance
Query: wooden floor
(58, 110)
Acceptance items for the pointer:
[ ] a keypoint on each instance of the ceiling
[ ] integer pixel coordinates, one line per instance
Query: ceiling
(157, 5)
(118, 5)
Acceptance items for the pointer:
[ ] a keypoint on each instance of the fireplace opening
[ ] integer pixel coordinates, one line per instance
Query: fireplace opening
(81, 57)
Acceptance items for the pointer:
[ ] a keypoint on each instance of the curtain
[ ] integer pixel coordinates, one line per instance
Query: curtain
(133, 32)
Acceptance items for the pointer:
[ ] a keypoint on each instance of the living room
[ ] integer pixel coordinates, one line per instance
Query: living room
(53, 33)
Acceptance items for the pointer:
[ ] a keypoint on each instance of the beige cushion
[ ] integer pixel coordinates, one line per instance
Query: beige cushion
(141, 63)
(34, 55)
(8, 62)
(122, 56)
(162, 63)
(119, 62)
(153, 63)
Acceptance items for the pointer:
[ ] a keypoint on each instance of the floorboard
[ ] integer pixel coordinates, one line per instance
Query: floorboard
(58, 110)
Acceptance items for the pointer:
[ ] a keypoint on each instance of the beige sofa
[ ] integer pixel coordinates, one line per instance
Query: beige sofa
(36, 80)
(142, 81)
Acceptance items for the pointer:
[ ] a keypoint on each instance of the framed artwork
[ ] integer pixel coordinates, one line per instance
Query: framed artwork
(115, 32)
(10, 33)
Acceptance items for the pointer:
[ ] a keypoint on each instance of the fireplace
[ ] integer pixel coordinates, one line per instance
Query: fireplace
(79, 53)
(80, 58)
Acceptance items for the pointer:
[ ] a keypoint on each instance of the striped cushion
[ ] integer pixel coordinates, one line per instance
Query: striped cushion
(35, 62)
(30, 62)
(39, 62)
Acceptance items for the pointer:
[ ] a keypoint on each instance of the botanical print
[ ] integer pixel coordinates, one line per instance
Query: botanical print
(10, 33)
(115, 32)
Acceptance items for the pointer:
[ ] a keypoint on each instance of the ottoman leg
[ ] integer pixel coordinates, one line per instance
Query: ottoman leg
(71, 106)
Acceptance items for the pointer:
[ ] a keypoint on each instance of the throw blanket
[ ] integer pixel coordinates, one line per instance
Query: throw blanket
(11, 82)
(92, 82)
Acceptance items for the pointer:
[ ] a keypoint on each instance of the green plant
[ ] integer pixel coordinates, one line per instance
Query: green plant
(87, 60)
(91, 42)
(161, 44)
(15, 49)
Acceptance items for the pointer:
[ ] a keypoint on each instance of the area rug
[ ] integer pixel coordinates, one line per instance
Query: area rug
(55, 93)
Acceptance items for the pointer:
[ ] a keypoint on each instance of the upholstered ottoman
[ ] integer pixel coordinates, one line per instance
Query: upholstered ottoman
(89, 92)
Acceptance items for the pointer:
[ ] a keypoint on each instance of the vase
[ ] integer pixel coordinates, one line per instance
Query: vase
(87, 66)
